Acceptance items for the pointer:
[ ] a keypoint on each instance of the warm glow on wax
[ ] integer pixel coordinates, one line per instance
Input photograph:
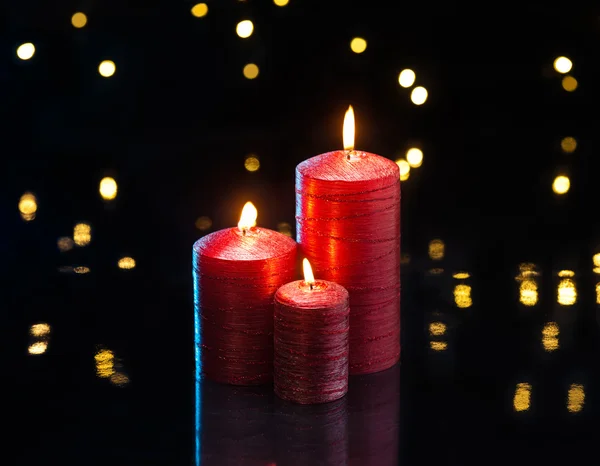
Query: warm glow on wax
(349, 129)
(309, 278)
(248, 217)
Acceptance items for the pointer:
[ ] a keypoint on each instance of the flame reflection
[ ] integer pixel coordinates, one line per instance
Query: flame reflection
(575, 398)
(522, 398)
(550, 335)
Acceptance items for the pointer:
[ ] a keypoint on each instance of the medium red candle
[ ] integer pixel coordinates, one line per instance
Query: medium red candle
(348, 226)
(311, 340)
(236, 273)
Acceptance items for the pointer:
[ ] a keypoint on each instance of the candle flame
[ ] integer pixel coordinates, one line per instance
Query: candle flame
(349, 129)
(309, 278)
(248, 217)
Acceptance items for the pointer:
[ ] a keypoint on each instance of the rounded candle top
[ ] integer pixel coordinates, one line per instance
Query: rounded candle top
(348, 165)
(253, 244)
(323, 294)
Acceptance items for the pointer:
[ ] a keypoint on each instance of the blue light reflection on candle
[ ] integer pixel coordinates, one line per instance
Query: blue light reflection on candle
(198, 360)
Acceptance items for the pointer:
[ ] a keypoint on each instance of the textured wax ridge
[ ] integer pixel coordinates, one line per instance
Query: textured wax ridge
(311, 342)
(235, 278)
(348, 226)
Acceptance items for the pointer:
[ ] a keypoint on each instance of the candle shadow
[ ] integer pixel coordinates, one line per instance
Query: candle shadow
(374, 407)
(311, 434)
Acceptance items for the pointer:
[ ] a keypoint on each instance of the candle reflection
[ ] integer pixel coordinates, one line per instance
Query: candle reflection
(528, 285)
(550, 334)
(575, 398)
(40, 334)
(522, 398)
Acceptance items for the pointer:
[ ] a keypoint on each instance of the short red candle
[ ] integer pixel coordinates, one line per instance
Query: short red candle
(311, 341)
(348, 226)
(236, 273)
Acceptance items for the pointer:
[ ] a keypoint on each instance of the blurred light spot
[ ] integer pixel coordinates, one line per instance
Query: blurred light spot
(437, 249)
(39, 330)
(126, 263)
(25, 51)
(28, 206)
(418, 95)
(250, 71)
(404, 167)
(550, 334)
(406, 78)
(563, 65)
(81, 269)
(252, 163)
(462, 296)
(414, 157)
(358, 45)
(64, 244)
(199, 10)
(522, 398)
(435, 271)
(597, 293)
(79, 20)
(568, 144)
(569, 83)
(596, 270)
(405, 258)
(567, 293)
(119, 379)
(38, 347)
(281, 2)
(561, 184)
(566, 273)
(526, 266)
(528, 292)
(108, 188)
(107, 68)
(461, 275)
(285, 229)
(105, 363)
(596, 259)
(82, 234)
(575, 398)
(438, 345)
(244, 28)
(437, 328)
(203, 223)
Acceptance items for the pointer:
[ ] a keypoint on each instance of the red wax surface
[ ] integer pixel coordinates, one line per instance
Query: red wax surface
(348, 226)
(311, 342)
(235, 278)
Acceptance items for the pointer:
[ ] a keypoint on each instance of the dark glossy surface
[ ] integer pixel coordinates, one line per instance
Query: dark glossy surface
(112, 378)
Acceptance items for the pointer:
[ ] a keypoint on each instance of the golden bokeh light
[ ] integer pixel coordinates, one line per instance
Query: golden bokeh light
(28, 206)
(598, 292)
(250, 71)
(418, 96)
(575, 398)
(568, 144)
(105, 363)
(407, 78)
(438, 345)
(284, 228)
(126, 263)
(436, 249)
(203, 223)
(244, 28)
(82, 269)
(404, 167)
(461, 275)
(462, 296)
(596, 259)
(64, 244)
(561, 184)
(414, 157)
(569, 83)
(79, 20)
(528, 292)
(522, 398)
(567, 292)
(119, 379)
(252, 163)
(199, 10)
(550, 334)
(437, 328)
(108, 188)
(82, 234)
(281, 2)
(107, 68)
(358, 45)
(566, 273)
(563, 65)
(39, 330)
(25, 51)
(38, 347)
(435, 271)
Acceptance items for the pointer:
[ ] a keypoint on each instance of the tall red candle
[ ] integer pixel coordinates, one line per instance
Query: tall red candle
(311, 340)
(236, 273)
(348, 226)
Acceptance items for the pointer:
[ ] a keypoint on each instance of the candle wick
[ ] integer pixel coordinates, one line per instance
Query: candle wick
(243, 232)
(310, 285)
